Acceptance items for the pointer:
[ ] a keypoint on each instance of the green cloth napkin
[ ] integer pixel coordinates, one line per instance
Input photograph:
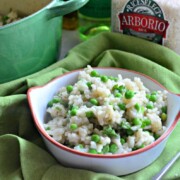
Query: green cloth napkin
(23, 154)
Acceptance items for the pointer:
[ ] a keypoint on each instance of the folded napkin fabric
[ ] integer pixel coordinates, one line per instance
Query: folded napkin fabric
(23, 154)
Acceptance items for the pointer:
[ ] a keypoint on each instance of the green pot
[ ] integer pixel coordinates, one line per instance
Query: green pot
(32, 43)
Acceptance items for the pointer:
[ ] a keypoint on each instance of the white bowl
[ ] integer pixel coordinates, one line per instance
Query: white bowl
(121, 164)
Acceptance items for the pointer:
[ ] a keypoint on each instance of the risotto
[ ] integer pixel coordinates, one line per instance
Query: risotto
(102, 114)
(12, 16)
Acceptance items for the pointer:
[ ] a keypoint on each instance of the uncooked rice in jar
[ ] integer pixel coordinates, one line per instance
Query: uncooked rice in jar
(165, 32)
(106, 115)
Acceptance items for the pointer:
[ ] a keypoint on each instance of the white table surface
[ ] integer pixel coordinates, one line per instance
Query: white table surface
(69, 40)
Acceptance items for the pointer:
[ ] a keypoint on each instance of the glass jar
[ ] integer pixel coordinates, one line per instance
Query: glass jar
(94, 17)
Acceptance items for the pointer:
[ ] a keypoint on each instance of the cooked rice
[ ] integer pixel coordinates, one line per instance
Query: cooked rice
(113, 125)
(12, 16)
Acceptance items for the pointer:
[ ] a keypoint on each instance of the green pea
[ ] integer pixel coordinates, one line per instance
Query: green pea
(118, 95)
(4, 19)
(81, 146)
(129, 94)
(153, 98)
(122, 89)
(93, 151)
(137, 107)
(138, 147)
(142, 109)
(104, 79)
(53, 101)
(73, 107)
(94, 101)
(147, 122)
(73, 126)
(113, 78)
(141, 146)
(58, 108)
(134, 148)
(113, 148)
(143, 125)
(154, 93)
(94, 73)
(125, 125)
(137, 121)
(69, 88)
(56, 100)
(48, 128)
(164, 109)
(89, 114)
(73, 111)
(163, 116)
(122, 106)
(115, 87)
(156, 136)
(148, 96)
(100, 152)
(105, 149)
(110, 77)
(109, 131)
(149, 106)
(122, 140)
(50, 104)
(130, 132)
(89, 84)
(95, 138)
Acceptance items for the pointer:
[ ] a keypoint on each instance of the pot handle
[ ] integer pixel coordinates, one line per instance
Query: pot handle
(60, 8)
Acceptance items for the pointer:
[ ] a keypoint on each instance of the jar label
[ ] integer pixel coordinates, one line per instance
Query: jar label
(145, 19)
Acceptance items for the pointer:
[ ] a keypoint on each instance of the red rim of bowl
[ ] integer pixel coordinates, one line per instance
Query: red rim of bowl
(63, 147)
